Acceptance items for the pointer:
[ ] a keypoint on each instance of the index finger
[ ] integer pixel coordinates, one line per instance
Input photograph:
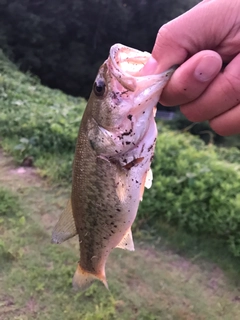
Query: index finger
(196, 30)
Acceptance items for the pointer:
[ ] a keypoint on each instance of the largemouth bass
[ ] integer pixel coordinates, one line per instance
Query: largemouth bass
(114, 150)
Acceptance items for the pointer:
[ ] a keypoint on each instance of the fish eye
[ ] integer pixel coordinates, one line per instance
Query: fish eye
(99, 88)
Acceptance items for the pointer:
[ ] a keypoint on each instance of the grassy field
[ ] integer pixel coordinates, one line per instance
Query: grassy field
(167, 277)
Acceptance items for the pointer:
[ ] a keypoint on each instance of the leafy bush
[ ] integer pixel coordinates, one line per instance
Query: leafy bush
(37, 121)
(195, 188)
(203, 130)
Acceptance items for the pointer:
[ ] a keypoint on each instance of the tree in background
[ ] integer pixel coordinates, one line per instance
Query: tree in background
(64, 42)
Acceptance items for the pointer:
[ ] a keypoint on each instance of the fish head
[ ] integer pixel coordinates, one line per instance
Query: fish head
(121, 93)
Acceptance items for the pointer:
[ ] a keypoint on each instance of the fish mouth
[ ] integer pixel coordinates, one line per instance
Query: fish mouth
(126, 63)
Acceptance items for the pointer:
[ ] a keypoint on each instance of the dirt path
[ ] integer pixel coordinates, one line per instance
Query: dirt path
(162, 278)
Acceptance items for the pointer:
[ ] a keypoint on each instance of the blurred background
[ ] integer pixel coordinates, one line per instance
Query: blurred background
(187, 232)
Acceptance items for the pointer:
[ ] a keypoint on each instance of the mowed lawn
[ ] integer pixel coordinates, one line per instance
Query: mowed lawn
(157, 281)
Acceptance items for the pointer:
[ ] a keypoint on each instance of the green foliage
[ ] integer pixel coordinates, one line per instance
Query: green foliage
(37, 121)
(195, 188)
(203, 131)
(9, 205)
(10, 214)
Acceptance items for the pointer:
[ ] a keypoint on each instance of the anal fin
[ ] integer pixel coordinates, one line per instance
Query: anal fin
(65, 227)
(127, 241)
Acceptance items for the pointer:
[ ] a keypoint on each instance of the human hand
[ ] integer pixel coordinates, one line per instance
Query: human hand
(200, 40)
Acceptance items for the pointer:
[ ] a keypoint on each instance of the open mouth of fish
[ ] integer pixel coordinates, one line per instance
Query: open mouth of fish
(126, 64)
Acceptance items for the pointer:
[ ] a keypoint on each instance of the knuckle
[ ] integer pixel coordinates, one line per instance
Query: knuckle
(216, 127)
(232, 85)
(191, 113)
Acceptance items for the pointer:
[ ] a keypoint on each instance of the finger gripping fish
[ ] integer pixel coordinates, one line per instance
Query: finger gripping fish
(114, 150)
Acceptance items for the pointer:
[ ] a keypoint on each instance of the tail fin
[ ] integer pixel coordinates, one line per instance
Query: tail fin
(83, 279)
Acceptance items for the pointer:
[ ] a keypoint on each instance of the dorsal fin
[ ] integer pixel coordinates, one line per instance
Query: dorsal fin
(65, 227)
(127, 241)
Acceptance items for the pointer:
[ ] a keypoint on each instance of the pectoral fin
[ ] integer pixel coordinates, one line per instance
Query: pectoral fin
(127, 241)
(65, 227)
(146, 182)
(149, 178)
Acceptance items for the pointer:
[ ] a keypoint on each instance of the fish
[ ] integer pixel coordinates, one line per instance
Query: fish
(111, 167)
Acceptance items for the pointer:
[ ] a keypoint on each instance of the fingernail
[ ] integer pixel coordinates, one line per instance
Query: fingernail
(150, 67)
(208, 68)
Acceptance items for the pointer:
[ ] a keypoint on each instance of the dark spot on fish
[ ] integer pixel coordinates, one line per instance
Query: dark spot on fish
(129, 117)
(127, 133)
(110, 216)
(185, 89)
(128, 142)
(118, 210)
(124, 92)
(125, 244)
(143, 112)
(136, 181)
(115, 226)
(112, 231)
(150, 148)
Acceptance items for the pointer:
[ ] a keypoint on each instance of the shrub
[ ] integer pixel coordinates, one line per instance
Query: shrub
(37, 121)
(203, 130)
(194, 187)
